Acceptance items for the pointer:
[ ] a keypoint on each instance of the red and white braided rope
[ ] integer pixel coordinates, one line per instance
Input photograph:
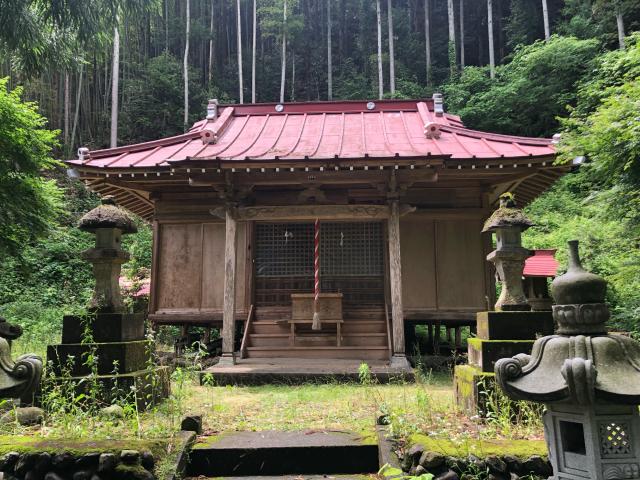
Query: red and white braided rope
(316, 265)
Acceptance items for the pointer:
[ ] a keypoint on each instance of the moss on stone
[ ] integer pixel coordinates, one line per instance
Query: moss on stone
(26, 444)
(480, 448)
(477, 342)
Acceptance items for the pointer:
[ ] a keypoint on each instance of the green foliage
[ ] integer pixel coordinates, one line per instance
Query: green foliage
(41, 33)
(155, 106)
(29, 201)
(573, 208)
(529, 93)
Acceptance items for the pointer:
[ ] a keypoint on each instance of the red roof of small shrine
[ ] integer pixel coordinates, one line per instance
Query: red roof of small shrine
(320, 131)
(542, 263)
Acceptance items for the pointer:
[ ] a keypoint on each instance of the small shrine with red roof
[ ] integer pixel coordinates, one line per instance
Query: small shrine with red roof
(320, 230)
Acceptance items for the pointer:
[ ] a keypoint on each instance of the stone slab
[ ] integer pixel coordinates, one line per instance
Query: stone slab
(485, 353)
(514, 325)
(121, 357)
(290, 371)
(105, 327)
(151, 386)
(283, 453)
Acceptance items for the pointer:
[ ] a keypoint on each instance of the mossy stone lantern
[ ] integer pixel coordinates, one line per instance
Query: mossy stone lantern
(108, 222)
(588, 380)
(508, 222)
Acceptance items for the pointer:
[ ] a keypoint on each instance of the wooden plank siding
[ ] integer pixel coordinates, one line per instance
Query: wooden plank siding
(189, 261)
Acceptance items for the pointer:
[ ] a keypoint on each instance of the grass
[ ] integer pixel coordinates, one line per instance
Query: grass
(351, 407)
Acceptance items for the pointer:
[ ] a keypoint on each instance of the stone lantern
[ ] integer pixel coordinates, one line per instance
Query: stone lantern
(508, 223)
(113, 336)
(588, 380)
(108, 223)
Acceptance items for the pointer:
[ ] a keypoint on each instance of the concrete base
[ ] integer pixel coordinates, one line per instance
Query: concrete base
(400, 362)
(151, 386)
(471, 388)
(105, 327)
(227, 359)
(112, 357)
(514, 325)
(485, 353)
(260, 371)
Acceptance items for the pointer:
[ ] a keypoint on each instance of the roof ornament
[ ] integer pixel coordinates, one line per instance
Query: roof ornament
(556, 138)
(212, 109)
(208, 135)
(432, 130)
(371, 105)
(438, 104)
(82, 153)
(279, 108)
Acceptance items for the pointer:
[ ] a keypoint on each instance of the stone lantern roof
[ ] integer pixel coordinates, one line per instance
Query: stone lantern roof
(107, 215)
(581, 364)
(507, 215)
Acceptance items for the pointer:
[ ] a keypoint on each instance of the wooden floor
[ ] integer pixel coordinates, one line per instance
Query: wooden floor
(258, 371)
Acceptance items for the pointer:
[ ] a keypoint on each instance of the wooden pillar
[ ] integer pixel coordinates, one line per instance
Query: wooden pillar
(395, 273)
(229, 309)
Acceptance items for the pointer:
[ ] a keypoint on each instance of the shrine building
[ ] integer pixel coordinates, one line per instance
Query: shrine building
(394, 191)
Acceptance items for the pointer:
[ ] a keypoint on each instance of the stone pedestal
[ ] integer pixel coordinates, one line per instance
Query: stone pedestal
(499, 335)
(123, 357)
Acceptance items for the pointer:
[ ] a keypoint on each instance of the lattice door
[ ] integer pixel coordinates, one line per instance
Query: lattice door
(351, 262)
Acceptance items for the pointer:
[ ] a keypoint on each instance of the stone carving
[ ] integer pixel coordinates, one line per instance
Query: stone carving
(588, 379)
(508, 222)
(108, 222)
(18, 379)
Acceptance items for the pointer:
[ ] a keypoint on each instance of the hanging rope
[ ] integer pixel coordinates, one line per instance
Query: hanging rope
(316, 325)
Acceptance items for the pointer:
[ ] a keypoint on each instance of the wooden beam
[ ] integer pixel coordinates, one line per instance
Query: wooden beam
(229, 308)
(311, 212)
(301, 177)
(395, 276)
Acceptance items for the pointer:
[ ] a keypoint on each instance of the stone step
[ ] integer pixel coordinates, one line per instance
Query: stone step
(318, 339)
(270, 453)
(359, 353)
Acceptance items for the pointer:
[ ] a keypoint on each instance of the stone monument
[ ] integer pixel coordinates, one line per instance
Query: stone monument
(588, 380)
(112, 336)
(20, 379)
(510, 329)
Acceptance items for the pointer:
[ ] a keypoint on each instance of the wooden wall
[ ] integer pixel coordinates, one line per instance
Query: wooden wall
(190, 269)
(443, 264)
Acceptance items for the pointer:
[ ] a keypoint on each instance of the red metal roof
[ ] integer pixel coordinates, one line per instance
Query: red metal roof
(542, 263)
(321, 131)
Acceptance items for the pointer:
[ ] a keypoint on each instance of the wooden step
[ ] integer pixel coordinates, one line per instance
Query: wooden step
(360, 353)
(364, 326)
(318, 339)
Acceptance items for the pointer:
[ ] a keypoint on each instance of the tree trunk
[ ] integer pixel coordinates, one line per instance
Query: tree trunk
(210, 71)
(253, 53)
(380, 80)
(77, 114)
(115, 77)
(392, 63)
(293, 75)
(461, 34)
(67, 108)
(166, 25)
(620, 24)
(239, 41)
(545, 18)
(329, 57)
(492, 60)
(186, 66)
(427, 39)
(284, 52)
(452, 39)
